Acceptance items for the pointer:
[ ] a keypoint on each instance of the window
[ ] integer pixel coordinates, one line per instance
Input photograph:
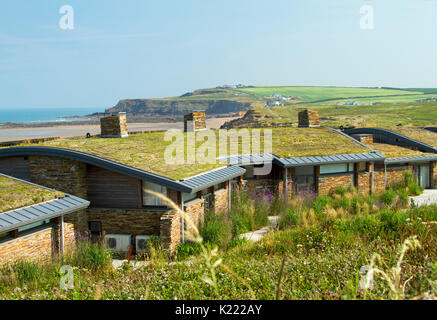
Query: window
(220, 186)
(249, 173)
(334, 168)
(151, 200)
(362, 166)
(33, 225)
(95, 228)
(188, 197)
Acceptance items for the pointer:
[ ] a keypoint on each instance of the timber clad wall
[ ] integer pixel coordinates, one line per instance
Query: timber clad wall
(17, 167)
(109, 189)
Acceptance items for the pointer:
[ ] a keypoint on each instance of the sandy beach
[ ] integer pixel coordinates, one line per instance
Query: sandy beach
(81, 130)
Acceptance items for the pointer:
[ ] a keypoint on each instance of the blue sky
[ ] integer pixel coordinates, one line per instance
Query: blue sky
(144, 49)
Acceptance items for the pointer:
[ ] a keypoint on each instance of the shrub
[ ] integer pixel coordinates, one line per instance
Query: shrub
(388, 197)
(92, 256)
(188, 249)
(320, 204)
(217, 229)
(403, 197)
(248, 215)
(289, 218)
(26, 271)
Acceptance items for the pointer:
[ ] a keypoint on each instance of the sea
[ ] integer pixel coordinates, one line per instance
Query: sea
(34, 115)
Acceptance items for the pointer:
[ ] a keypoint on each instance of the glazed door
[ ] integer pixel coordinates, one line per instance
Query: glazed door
(424, 176)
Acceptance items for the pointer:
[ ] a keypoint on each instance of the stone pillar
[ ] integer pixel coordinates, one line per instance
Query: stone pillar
(170, 230)
(114, 126)
(195, 121)
(309, 118)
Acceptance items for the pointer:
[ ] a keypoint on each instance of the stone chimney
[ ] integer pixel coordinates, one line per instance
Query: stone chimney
(194, 121)
(367, 139)
(114, 126)
(309, 118)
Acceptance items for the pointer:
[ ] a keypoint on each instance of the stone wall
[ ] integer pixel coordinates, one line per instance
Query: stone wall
(114, 126)
(330, 183)
(309, 118)
(64, 175)
(379, 180)
(34, 247)
(196, 213)
(170, 230)
(195, 121)
(222, 201)
(365, 182)
(127, 221)
(395, 176)
(40, 245)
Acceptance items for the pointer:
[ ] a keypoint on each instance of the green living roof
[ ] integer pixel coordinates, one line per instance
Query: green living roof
(15, 194)
(416, 133)
(145, 151)
(392, 151)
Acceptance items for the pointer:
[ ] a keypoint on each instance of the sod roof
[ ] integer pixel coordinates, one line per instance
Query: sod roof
(392, 151)
(15, 194)
(416, 133)
(146, 151)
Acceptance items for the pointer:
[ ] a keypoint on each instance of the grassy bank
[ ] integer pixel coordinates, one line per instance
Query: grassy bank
(320, 252)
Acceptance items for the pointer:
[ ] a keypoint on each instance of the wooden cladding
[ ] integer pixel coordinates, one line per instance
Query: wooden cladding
(112, 190)
(17, 167)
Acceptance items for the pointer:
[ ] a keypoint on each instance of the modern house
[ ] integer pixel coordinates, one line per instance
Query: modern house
(34, 220)
(114, 175)
(410, 149)
(116, 170)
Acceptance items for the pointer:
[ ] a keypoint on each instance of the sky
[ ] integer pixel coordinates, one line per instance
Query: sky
(151, 49)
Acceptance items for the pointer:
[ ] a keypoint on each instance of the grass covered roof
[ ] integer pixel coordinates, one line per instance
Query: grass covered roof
(15, 194)
(146, 151)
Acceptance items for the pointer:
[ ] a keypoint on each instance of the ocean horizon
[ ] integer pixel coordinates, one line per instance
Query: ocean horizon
(31, 115)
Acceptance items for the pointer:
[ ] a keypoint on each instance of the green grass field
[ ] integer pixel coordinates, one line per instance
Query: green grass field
(417, 114)
(312, 94)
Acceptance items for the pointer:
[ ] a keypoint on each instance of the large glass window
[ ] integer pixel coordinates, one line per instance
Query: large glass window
(189, 196)
(151, 200)
(334, 168)
(33, 225)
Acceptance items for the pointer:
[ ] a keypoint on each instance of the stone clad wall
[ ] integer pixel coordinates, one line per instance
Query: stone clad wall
(309, 118)
(196, 213)
(395, 176)
(114, 126)
(194, 121)
(40, 245)
(170, 230)
(379, 181)
(127, 221)
(34, 247)
(64, 175)
(365, 182)
(221, 201)
(330, 183)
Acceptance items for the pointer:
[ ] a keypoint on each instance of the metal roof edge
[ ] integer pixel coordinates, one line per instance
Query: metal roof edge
(411, 142)
(94, 160)
(83, 204)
